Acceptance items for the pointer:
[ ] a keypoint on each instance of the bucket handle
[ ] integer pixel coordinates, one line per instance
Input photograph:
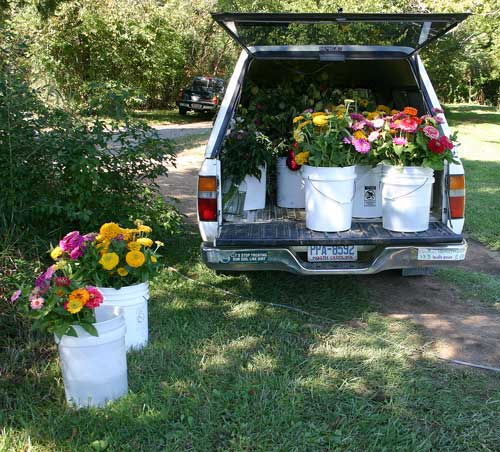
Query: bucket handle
(329, 197)
(409, 193)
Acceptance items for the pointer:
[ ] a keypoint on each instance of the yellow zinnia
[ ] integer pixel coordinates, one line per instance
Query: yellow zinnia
(135, 258)
(297, 119)
(109, 260)
(153, 259)
(317, 113)
(359, 135)
(158, 243)
(134, 246)
(144, 228)
(372, 115)
(302, 157)
(383, 108)
(109, 231)
(122, 271)
(56, 252)
(363, 102)
(73, 306)
(144, 241)
(320, 121)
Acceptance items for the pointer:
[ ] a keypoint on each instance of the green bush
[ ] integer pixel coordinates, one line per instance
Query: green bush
(61, 172)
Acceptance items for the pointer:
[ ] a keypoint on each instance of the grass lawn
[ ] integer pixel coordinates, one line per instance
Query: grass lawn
(479, 134)
(224, 373)
(232, 371)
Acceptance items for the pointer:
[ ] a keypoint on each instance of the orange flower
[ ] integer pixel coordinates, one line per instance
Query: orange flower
(410, 111)
(79, 295)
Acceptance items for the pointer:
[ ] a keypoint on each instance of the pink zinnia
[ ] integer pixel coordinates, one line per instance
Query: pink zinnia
(431, 132)
(71, 241)
(37, 303)
(437, 110)
(361, 145)
(446, 142)
(15, 296)
(373, 136)
(358, 125)
(347, 140)
(357, 116)
(75, 253)
(46, 276)
(95, 299)
(439, 118)
(408, 125)
(400, 141)
(90, 237)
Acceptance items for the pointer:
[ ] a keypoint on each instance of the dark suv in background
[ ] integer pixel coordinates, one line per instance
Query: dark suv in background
(203, 95)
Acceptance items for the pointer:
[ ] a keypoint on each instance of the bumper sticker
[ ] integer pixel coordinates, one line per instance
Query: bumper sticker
(245, 257)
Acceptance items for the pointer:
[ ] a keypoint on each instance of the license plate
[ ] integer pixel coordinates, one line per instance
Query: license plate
(183, 104)
(323, 253)
(198, 106)
(430, 254)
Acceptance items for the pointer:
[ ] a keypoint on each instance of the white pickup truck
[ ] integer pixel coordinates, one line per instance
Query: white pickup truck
(380, 51)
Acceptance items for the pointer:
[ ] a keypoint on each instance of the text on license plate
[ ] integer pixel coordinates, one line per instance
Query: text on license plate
(197, 106)
(321, 253)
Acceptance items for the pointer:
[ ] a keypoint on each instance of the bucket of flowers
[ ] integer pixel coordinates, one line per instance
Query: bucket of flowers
(120, 261)
(91, 351)
(414, 148)
(328, 159)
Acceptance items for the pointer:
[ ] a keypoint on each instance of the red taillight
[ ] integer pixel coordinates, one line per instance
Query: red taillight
(457, 196)
(207, 198)
(215, 100)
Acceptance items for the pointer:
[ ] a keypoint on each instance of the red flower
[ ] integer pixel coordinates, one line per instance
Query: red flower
(436, 146)
(408, 124)
(95, 297)
(62, 281)
(295, 145)
(446, 142)
(290, 161)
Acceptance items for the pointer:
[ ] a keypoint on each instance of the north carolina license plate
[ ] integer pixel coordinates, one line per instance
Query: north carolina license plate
(430, 254)
(183, 104)
(199, 106)
(323, 253)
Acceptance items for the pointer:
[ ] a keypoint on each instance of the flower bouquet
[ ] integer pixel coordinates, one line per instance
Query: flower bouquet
(414, 147)
(120, 261)
(327, 157)
(91, 349)
(58, 304)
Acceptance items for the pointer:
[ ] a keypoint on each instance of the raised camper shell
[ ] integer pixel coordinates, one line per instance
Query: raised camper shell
(270, 241)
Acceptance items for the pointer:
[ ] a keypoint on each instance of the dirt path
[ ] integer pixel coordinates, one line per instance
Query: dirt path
(466, 331)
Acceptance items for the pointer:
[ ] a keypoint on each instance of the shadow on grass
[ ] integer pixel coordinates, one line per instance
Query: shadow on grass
(476, 114)
(222, 373)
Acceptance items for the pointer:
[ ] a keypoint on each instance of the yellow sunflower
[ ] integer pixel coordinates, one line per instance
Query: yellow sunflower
(135, 258)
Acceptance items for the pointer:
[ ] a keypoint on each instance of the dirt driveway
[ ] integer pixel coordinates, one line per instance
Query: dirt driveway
(457, 329)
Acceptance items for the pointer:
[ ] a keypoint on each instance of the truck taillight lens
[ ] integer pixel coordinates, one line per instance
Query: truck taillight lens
(457, 196)
(215, 100)
(207, 198)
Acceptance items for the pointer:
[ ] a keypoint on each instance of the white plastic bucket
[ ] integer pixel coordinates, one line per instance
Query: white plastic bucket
(329, 195)
(290, 186)
(133, 301)
(367, 201)
(255, 191)
(406, 198)
(94, 368)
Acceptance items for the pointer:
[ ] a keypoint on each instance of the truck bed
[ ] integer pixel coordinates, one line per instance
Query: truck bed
(276, 226)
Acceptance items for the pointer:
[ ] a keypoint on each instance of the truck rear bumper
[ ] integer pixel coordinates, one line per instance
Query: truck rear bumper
(285, 259)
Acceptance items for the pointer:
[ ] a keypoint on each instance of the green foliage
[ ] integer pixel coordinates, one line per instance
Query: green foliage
(61, 172)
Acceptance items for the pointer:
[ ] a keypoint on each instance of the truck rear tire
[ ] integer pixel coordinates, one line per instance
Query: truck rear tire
(183, 111)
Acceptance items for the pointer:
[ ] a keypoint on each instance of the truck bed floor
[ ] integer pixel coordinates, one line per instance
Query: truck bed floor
(295, 233)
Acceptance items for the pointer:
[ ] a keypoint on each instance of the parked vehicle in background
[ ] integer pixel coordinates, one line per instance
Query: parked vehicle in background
(202, 94)
(378, 52)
